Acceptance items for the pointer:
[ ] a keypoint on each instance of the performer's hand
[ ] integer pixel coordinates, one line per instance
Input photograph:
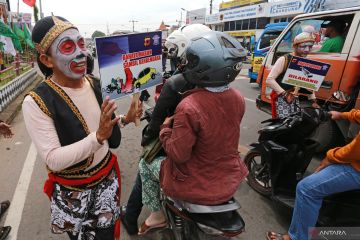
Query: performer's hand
(134, 113)
(106, 123)
(169, 121)
(5, 130)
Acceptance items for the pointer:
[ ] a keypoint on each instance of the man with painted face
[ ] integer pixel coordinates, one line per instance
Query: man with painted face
(73, 129)
(302, 46)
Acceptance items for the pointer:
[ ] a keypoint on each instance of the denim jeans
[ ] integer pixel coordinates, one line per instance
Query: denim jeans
(311, 191)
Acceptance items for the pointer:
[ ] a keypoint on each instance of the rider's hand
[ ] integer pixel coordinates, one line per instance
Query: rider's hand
(324, 163)
(169, 121)
(134, 113)
(335, 115)
(5, 130)
(106, 124)
(289, 96)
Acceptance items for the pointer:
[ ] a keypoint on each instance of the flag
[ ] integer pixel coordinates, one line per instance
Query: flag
(6, 31)
(8, 46)
(18, 31)
(31, 3)
(27, 36)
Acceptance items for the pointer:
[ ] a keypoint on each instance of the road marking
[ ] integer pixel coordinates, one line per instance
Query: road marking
(250, 100)
(16, 208)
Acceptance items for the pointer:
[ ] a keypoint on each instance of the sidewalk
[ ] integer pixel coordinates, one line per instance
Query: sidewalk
(10, 112)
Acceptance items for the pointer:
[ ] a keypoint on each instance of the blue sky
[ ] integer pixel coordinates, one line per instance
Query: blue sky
(91, 15)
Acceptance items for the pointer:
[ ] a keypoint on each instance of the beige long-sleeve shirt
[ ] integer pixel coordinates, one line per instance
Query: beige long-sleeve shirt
(42, 131)
(275, 72)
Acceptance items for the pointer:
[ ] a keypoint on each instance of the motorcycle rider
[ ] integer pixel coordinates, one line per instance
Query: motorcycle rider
(169, 98)
(338, 172)
(202, 137)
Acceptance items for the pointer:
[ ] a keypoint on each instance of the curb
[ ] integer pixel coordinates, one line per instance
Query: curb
(10, 112)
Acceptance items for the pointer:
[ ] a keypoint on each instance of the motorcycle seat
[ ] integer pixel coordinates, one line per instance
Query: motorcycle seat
(222, 217)
(228, 222)
(230, 205)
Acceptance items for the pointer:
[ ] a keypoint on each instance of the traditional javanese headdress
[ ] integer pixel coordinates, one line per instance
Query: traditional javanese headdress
(59, 27)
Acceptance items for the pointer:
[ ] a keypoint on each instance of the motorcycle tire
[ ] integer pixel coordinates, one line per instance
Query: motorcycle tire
(256, 184)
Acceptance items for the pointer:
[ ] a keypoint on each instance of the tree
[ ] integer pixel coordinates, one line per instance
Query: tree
(36, 11)
(97, 34)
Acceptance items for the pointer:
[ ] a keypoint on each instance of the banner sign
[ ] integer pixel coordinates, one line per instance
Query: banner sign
(286, 8)
(196, 16)
(237, 3)
(129, 63)
(306, 73)
(253, 11)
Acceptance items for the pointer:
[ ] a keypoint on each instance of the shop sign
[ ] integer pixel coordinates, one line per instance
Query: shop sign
(286, 8)
(237, 3)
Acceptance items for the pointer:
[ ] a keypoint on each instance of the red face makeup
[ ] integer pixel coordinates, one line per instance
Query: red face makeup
(69, 53)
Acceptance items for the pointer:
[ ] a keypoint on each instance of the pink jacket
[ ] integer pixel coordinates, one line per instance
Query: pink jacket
(203, 165)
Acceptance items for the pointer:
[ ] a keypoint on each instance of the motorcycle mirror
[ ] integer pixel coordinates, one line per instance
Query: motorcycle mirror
(341, 96)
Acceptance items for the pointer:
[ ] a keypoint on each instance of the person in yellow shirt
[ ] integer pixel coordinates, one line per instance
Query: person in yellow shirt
(338, 172)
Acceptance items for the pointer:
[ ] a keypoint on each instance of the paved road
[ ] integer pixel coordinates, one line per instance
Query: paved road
(22, 174)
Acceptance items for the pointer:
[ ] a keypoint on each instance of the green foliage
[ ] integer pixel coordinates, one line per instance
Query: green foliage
(36, 12)
(97, 34)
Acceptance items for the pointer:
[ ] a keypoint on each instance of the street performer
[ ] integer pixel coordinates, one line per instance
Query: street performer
(72, 129)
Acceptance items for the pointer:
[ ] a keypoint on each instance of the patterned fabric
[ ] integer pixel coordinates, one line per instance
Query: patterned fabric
(59, 27)
(150, 183)
(82, 212)
(284, 109)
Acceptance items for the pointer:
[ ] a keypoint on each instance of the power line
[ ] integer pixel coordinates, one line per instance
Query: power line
(133, 24)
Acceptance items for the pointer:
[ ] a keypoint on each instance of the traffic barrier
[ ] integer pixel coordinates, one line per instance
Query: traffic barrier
(12, 89)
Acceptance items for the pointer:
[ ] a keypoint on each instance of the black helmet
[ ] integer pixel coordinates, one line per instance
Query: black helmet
(213, 60)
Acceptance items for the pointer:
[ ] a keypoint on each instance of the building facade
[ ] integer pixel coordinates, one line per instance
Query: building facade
(246, 19)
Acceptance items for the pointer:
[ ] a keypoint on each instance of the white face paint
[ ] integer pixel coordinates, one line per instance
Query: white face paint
(69, 53)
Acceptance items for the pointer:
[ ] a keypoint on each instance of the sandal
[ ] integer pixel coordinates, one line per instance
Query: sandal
(4, 232)
(275, 236)
(3, 207)
(144, 228)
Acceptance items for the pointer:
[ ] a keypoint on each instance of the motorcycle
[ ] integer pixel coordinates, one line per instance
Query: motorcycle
(192, 221)
(280, 158)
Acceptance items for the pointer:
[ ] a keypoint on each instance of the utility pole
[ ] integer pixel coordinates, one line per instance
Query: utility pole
(107, 28)
(133, 23)
(211, 5)
(41, 12)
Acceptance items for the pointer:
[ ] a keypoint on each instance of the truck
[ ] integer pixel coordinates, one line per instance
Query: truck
(342, 78)
(262, 46)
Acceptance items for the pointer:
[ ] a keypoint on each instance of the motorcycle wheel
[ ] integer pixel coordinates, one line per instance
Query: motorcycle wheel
(259, 173)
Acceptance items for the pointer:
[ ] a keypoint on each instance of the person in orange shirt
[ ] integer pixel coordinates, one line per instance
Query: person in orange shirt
(338, 172)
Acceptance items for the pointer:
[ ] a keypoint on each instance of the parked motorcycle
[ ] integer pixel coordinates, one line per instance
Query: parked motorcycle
(188, 221)
(279, 160)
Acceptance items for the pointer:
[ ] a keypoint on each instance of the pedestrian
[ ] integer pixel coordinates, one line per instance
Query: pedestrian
(201, 139)
(338, 172)
(283, 96)
(73, 128)
(5, 131)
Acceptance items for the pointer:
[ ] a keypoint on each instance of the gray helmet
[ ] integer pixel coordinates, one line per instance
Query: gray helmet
(213, 60)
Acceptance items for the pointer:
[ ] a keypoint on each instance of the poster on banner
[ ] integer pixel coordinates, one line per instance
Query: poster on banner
(129, 63)
(306, 73)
